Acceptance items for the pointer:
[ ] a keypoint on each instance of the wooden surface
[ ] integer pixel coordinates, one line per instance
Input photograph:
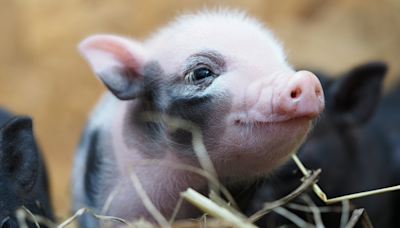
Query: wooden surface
(43, 76)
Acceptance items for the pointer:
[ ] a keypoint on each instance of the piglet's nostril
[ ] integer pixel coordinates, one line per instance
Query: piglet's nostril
(317, 91)
(295, 93)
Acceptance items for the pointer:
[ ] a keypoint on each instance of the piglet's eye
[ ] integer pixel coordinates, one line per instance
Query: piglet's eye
(199, 75)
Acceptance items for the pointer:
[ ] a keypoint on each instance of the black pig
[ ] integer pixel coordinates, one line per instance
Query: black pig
(355, 142)
(23, 177)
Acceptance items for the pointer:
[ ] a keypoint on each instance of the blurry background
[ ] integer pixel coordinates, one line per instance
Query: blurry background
(42, 74)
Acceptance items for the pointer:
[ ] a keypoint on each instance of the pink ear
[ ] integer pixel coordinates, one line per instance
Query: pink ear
(118, 62)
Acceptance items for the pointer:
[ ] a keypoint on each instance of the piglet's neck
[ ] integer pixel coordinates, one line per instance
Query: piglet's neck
(161, 183)
(130, 136)
(137, 147)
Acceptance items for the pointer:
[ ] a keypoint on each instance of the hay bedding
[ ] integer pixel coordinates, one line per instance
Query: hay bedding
(218, 212)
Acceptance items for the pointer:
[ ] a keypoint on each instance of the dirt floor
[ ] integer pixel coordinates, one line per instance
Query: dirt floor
(43, 76)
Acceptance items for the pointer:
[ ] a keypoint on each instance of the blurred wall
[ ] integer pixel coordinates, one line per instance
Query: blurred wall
(42, 75)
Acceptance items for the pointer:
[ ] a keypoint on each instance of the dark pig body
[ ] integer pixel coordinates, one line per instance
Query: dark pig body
(355, 143)
(221, 71)
(23, 177)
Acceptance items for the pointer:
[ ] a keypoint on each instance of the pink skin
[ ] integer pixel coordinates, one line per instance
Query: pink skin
(258, 76)
(269, 117)
(302, 96)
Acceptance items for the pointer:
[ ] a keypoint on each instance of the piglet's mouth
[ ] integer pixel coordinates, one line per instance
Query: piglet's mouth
(243, 122)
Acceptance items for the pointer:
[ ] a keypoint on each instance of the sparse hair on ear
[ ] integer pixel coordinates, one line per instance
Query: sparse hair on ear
(19, 155)
(356, 95)
(118, 62)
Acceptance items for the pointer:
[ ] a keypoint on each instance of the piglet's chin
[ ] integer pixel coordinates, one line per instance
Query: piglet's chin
(261, 146)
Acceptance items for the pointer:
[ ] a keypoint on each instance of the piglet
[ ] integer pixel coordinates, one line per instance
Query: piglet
(23, 177)
(355, 143)
(220, 70)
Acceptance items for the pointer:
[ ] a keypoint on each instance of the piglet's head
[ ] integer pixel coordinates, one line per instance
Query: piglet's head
(223, 71)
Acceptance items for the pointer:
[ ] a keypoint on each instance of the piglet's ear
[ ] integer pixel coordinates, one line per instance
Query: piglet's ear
(19, 155)
(355, 96)
(118, 62)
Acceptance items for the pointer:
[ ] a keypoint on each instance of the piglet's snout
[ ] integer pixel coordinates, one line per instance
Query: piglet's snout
(302, 96)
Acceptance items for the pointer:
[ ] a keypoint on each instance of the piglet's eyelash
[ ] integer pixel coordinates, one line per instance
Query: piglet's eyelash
(199, 75)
